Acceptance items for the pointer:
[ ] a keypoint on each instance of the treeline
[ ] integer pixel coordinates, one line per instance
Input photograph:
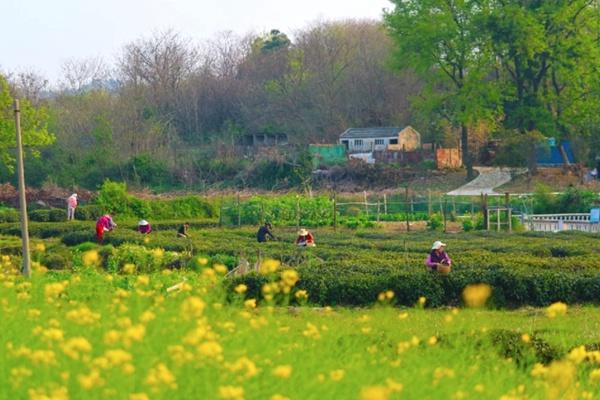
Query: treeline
(170, 111)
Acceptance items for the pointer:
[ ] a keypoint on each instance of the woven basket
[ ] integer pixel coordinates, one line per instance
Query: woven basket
(444, 269)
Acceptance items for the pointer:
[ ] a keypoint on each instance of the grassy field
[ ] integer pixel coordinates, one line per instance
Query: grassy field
(96, 335)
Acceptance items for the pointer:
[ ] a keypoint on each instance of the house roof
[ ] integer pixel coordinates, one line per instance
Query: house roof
(370, 133)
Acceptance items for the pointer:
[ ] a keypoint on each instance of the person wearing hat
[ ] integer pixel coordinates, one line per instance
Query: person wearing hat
(438, 259)
(305, 238)
(264, 233)
(144, 227)
(71, 206)
(104, 224)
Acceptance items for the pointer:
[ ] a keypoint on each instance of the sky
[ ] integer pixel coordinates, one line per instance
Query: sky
(40, 35)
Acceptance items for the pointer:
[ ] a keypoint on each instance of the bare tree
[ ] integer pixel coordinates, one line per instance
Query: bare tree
(79, 74)
(29, 84)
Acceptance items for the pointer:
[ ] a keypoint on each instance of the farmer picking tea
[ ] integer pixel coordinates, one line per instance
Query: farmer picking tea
(104, 224)
(438, 259)
(144, 227)
(265, 233)
(305, 238)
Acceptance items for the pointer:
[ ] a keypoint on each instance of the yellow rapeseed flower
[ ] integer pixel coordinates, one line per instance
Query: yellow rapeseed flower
(220, 269)
(91, 380)
(422, 300)
(160, 375)
(128, 268)
(210, 349)
(301, 295)
(282, 371)
(337, 374)
(73, 347)
(192, 307)
(57, 393)
(525, 338)
(250, 303)
(138, 396)
(289, 277)
(231, 393)
(476, 295)
(269, 266)
(90, 258)
(393, 385)
(375, 393)
(432, 340)
(241, 288)
(556, 309)
(279, 397)
(40, 247)
(595, 375)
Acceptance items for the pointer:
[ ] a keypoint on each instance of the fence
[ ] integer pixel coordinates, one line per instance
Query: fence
(560, 222)
(297, 210)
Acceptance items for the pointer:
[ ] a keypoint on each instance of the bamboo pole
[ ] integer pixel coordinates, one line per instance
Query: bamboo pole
(239, 212)
(26, 268)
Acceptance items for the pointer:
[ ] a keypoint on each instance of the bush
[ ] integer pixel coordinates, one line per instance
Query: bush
(435, 222)
(468, 225)
(9, 215)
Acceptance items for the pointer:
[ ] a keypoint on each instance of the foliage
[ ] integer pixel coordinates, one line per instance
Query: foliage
(572, 200)
(34, 126)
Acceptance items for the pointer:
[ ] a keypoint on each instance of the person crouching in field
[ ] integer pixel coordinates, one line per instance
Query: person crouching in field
(71, 206)
(264, 233)
(438, 259)
(104, 224)
(305, 238)
(144, 227)
(182, 231)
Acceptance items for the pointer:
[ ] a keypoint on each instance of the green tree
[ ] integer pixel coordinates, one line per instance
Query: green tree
(548, 63)
(441, 40)
(34, 126)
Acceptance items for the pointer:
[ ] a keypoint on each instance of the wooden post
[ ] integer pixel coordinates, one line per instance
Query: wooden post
(510, 220)
(454, 205)
(406, 209)
(366, 204)
(26, 268)
(385, 204)
(221, 213)
(262, 212)
(378, 208)
(498, 219)
(334, 212)
(297, 213)
(444, 213)
(484, 210)
(429, 212)
(239, 211)
(507, 199)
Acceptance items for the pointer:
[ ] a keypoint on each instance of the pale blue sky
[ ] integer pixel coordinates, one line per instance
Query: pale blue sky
(42, 34)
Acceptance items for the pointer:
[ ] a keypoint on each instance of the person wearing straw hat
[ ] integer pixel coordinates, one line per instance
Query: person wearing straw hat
(305, 238)
(71, 206)
(438, 259)
(144, 227)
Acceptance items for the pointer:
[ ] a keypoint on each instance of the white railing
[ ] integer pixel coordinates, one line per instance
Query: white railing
(560, 222)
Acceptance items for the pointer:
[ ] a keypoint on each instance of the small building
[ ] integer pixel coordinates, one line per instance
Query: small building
(364, 140)
(263, 139)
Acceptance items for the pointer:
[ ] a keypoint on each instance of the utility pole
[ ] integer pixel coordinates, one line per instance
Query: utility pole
(26, 270)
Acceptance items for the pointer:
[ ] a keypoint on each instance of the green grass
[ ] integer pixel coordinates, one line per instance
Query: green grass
(358, 346)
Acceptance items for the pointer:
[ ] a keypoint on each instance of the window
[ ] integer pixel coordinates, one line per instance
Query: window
(393, 141)
(380, 142)
(358, 142)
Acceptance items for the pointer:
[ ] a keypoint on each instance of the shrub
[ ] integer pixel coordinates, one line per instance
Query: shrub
(435, 222)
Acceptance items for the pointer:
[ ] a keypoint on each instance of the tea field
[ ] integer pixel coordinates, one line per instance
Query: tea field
(356, 317)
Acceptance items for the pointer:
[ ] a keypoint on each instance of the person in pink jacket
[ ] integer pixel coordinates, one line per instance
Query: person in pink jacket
(71, 206)
(438, 259)
(104, 224)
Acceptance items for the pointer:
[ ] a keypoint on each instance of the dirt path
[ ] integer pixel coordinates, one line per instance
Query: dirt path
(488, 179)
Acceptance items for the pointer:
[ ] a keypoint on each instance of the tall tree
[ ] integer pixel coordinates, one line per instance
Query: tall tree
(34, 124)
(549, 62)
(440, 39)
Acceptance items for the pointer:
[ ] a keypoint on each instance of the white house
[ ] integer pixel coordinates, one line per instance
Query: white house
(364, 140)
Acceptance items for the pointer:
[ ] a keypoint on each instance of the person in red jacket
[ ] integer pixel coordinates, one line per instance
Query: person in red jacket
(104, 224)
(305, 238)
(144, 227)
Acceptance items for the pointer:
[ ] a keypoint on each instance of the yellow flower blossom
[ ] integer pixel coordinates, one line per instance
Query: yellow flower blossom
(210, 349)
(112, 336)
(192, 307)
(289, 277)
(595, 375)
(403, 315)
(54, 290)
(375, 393)
(57, 393)
(556, 309)
(128, 268)
(40, 247)
(432, 340)
(231, 393)
(476, 295)
(73, 347)
(138, 396)
(311, 331)
(525, 338)
(269, 266)
(337, 374)
(160, 375)
(422, 300)
(135, 333)
(283, 371)
(90, 258)
(243, 366)
(91, 380)
(301, 295)
(220, 269)
(142, 280)
(250, 303)
(83, 316)
(279, 397)
(241, 288)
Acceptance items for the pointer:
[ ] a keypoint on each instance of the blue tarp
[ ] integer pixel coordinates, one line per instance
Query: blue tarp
(551, 157)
